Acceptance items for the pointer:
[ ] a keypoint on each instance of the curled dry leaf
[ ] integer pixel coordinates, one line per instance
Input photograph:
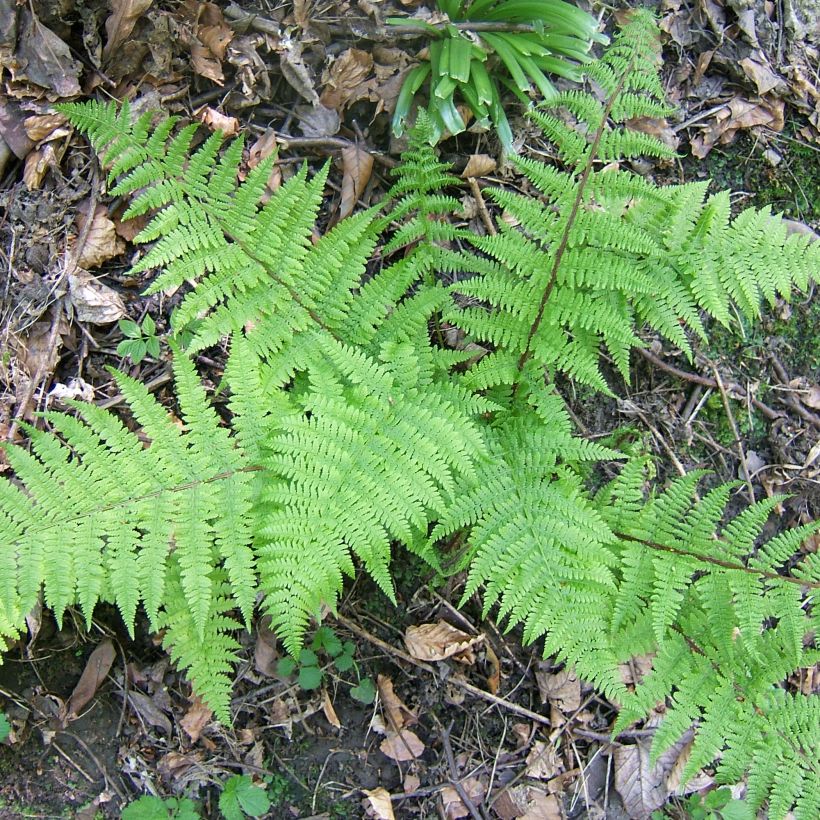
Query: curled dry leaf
(330, 712)
(479, 165)
(402, 746)
(102, 242)
(36, 165)
(379, 805)
(46, 127)
(435, 642)
(295, 71)
(357, 166)
(92, 301)
(96, 670)
(121, 22)
(398, 715)
(216, 121)
(196, 719)
(562, 688)
(737, 115)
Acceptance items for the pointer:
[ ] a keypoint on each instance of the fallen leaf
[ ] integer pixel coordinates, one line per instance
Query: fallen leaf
(479, 165)
(216, 121)
(657, 127)
(43, 58)
(196, 718)
(76, 389)
(812, 398)
(402, 746)
(330, 712)
(92, 301)
(543, 762)
(739, 114)
(101, 242)
(36, 165)
(411, 783)
(345, 80)
(380, 806)
(454, 806)
(41, 127)
(265, 654)
(398, 715)
(435, 642)
(357, 165)
(317, 120)
(760, 72)
(542, 806)
(494, 678)
(562, 688)
(13, 130)
(149, 711)
(96, 670)
(121, 22)
(295, 72)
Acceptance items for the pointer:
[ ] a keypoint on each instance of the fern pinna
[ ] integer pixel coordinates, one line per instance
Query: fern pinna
(352, 426)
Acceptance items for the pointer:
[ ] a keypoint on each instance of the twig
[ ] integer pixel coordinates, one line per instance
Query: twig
(744, 467)
(455, 781)
(482, 206)
(794, 403)
(767, 411)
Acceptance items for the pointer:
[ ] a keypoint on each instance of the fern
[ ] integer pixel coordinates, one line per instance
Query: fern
(352, 426)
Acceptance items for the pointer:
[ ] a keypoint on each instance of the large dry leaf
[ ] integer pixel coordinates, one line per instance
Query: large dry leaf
(759, 71)
(13, 130)
(317, 121)
(357, 166)
(121, 22)
(379, 805)
(196, 718)
(402, 746)
(92, 301)
(44, 59)
(329, 711)
(562, 688)
(101, 242)
(479, 165)
(345, 80)
(435, 642)
(96, 670)
(295, 71)
(543, 806)
(398, 715)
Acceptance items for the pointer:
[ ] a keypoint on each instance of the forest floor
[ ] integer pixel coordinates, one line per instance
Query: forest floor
(494, 731)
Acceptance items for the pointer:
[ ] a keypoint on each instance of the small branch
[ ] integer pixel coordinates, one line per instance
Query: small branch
(482, 206)
(455, 781)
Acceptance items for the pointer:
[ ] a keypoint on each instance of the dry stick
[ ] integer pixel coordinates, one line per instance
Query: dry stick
(744, 466)
(455, 781)
(794, 403)
(695, 378)
(467, 687)
(482, 206)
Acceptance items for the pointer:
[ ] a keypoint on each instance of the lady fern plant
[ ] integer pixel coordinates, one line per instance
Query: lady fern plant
(352, 427)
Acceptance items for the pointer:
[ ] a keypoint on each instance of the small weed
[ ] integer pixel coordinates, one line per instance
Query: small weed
(242, 797)
(139, 342)
(715, 805)
(155, 808)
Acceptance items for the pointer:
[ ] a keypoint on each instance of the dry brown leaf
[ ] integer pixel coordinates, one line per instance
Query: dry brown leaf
(265, 654)
(494, 678)
(148, 710)
(13, 130)
(96, 670)
(562, 688)
(398, 715)
(40, 127)
(36, 165)
(657, 127)
(739, 114)
(345, 80)
(812, 397)
(102, 242)
(43, 58)
(454, 806)
(411, 783)
(121, 22)
(543, 762)
(759, 71)
(217, 121)
(196, 719)
(379, 804)
(542, 806)
(92, 301)
(330, 712)
(636, 669)
(435, 642)
(357, 165)
(479, 165)
(262, 148)
(402, 746)
(295, 71)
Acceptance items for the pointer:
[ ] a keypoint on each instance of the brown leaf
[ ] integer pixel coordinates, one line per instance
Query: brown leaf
(96, 670)
(196, 718)
(13, 130)
(543, 806)
(562, 688)
(479, 165)
(41, 127)
(216, 121)
(330, 712)
(317, 120)
(345, 79)
(435, 642)
(121, 22)
(454, 806)
(494, 678)
(657, 127)
(760, 72)
(44, 59)
(739, 114)
(102, 242)
(402, 746)
(148, 710)
(379, 804)
(812, 397)
(296, 72)
(266, 654)
(398, 715)
(543, 762)
(92, 301)
(357, 165)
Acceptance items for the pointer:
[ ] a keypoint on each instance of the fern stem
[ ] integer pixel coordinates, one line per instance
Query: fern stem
(719, 562)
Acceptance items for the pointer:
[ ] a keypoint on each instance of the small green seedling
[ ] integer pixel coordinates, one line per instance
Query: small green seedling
(340, 654)
(138, 341)
(241, 797)
(714, 805)
(5, 727)
(155, 808)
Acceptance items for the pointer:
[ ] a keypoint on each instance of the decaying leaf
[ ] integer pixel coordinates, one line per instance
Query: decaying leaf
(102, 242)
(265, 654)
(561, 688)
(379, 805)
(398, 715)
(479, 165)
(494, 678)
(543, 806)
(295, 71)
(43, 58)
(216, 121)
(96, 670)
(92, 301)
(329, 711)
(196, 718)
(148, 711)
(543, 762)
(402, 746)
(357, 166)
(656, 127)
(317, 120)
(454, 806)
(345, 79)
(435, 642)
(737, 115)
(121, 22)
